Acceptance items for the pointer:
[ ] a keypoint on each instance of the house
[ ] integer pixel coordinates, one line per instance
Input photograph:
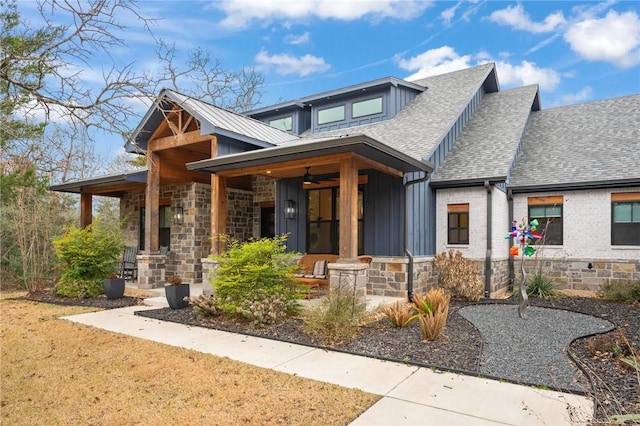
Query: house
(389, 168)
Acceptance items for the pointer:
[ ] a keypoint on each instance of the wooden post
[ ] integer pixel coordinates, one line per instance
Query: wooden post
(152, 204)
(218, 206)
(86, 209)
(348, 210)
(218, 213)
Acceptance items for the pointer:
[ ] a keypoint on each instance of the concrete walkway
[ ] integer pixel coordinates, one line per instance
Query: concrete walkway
(410, 395)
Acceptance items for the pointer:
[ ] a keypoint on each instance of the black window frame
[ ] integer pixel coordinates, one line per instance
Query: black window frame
(545, 223)
(625, 233)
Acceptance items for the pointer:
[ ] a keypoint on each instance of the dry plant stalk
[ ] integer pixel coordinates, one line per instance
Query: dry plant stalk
(433, 310)
(458, 275)
(400, 314)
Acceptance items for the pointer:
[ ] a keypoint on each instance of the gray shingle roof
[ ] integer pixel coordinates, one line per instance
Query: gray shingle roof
(488, 144)
(580, 145)
(420, 126)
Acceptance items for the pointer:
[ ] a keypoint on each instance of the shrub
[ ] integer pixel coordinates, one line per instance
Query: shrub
(620, 291)
(205, 305)
(251, 267)
(433, 310)
(86, 257)
(400, 314)
(264, 309)
(175, 280)
(540, 285)
(458, 276)
(337, 317)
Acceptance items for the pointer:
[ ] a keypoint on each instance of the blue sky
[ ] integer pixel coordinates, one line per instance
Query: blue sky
(575, 51)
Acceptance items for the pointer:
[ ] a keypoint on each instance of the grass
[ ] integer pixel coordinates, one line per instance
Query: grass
(57, 372)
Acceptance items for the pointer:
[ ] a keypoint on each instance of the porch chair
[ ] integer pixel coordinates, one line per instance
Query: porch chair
(129, 264)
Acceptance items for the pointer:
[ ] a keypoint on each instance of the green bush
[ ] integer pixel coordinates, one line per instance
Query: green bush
(458, 276)
(263, 310)
(86, 257)
(540, 285)
(337, 317)
(620, 291)
(246, 269)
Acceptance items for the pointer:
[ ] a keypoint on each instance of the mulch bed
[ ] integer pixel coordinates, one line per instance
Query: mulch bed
(101, 301)
(617, 387)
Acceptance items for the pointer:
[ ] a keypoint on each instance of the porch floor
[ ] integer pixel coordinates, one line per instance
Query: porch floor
(158, 298)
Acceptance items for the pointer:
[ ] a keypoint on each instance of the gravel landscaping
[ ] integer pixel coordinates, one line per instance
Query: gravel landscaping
(471, 342)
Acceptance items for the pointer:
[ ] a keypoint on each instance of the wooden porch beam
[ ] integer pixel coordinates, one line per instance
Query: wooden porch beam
(348, 249)
(367, 163)
(176, 141)
(86, 209)
(152, 204)
(275, 167)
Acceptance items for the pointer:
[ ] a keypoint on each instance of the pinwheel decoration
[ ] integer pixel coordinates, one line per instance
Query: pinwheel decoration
(523, 234)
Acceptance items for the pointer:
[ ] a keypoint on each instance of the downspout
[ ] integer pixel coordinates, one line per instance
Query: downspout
(407, 250)
(512, 272)
(487, 260)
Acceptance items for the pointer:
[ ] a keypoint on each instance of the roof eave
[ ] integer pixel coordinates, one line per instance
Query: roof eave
(574, 186)
(295, 151)
(76, 186)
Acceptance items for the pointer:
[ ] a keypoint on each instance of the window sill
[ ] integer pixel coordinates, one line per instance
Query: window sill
(625, 247)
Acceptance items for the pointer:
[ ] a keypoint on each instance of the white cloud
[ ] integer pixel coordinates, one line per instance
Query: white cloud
(583, 95)
(448, 14)
(297, 39)
(516, 17)
(432, 62)
(285, 64)
(241, 13)
(446, 59)
(614, 38)
(526, 73)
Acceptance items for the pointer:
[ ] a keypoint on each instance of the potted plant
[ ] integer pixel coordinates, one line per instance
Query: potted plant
(114, 286)
(176, 292)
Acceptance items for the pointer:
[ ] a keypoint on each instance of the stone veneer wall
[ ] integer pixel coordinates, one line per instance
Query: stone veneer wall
(387, 276)
(240, 214)
(575, 274)
(264, 189)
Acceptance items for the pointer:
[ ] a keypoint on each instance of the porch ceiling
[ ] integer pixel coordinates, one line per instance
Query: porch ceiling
(322, 155)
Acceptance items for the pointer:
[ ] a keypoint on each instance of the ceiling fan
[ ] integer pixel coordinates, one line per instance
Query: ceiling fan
(309, 178)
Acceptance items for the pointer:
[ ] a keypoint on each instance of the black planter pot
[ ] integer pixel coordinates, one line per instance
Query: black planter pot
(176, 294)
(114, 288)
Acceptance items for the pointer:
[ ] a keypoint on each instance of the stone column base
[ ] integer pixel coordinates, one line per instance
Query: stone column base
(349, 277)
(209, 269)
(151, 270)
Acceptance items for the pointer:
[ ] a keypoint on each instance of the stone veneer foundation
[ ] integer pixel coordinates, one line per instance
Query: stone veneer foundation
(581, 274)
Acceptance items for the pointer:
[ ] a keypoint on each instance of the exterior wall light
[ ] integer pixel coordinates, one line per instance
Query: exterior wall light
(290, 210)
(178, 215)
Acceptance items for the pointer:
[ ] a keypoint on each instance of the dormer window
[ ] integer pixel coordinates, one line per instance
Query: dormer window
(368, 107)
(284, 123)
(329, 115)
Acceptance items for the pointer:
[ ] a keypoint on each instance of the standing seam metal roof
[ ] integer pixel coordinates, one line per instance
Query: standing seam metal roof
(229, 121)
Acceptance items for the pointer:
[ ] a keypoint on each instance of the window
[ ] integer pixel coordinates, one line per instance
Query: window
(368, 107)
(458, 223)
(284, 123)
(548, 212)
(329, 115)
(164, 227)
(625, 219)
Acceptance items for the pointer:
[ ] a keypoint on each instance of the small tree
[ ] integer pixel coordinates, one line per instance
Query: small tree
(247, 269)
(87, 256)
